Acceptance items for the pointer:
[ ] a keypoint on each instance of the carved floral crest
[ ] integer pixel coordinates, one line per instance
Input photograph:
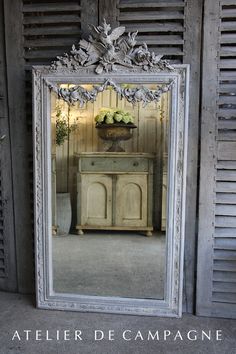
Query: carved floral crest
(107, 49)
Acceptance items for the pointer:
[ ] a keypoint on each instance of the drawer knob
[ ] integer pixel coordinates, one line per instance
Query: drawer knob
(92, 163)
(135, 164)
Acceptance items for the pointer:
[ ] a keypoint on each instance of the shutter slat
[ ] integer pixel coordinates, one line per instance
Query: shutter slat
(228, 26)
(224, 209)
(55, 30)
(225, 221)
(34, 20)
(227, 99)
(34, 54)
(142, 5)
(227, 113)
(226, 165)
(224, 297)
(228, 13)
(227, 124)
(161, 39)
(226, 175)
(228, 52)
(225, 243)
(225, 232)
(154, 27)
(227, 38)
(224, 265)
(50, 42)
(51, 7)
(226, 198)
(227, 63)
(226, 135)
(226, 187)
(144, 16)
(227, 150)
(226, 255)
(224, 287)
(227, 75)
(224, 276)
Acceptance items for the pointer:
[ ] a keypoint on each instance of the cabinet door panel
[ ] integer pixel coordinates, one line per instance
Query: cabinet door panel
(131, 200)
(96, 200)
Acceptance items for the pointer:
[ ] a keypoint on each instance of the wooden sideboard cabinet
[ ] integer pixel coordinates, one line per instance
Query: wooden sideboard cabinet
(115, 191)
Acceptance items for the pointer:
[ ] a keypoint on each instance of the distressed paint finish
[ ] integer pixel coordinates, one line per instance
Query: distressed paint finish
(46, 298)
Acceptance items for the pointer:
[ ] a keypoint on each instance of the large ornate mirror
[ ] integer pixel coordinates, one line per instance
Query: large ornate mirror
(110, 135)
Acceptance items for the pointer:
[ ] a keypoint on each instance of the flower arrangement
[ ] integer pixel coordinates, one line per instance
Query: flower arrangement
(113, 116)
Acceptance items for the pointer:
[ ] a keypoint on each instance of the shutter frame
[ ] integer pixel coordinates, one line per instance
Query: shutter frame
(216, 280)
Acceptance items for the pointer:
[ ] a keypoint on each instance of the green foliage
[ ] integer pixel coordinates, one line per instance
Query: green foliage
(63, 127)
(113, 115)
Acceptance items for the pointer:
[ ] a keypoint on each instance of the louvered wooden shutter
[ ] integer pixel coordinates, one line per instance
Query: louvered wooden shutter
(160, 24)
(216, 293)
(49, 29)
(7, 236)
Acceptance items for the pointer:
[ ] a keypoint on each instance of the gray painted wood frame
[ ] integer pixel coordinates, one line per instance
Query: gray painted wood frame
(46, 78)
(90, 12)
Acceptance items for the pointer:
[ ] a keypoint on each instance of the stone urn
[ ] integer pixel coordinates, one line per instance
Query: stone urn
(115, 133)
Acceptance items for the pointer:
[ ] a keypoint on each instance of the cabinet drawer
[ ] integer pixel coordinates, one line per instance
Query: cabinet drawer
(113, 164)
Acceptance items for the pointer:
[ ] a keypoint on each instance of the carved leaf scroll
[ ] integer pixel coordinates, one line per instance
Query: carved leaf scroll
(108, 50)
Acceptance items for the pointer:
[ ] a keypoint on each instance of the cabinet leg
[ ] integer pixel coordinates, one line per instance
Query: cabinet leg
(149, 233)
(80, 232)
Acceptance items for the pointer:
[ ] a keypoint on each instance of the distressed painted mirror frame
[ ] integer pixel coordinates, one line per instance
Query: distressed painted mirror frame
(108, 59)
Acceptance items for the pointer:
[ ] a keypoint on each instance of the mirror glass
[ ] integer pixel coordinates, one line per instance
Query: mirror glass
(109, 163)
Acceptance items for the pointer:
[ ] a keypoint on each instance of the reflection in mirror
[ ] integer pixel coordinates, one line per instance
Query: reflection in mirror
(109, 196)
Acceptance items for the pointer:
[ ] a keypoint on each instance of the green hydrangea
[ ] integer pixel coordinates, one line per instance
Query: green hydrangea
(118, 117)
(113, 115)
